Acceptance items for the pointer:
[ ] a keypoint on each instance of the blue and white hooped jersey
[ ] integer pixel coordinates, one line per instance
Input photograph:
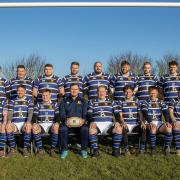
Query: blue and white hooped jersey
(46, 112)
(4, 88)
(130, 111)
(14, 83)
(72, 79)
(175, 105)
(103, 111)
(3, 107)
(119, 81)
(93, 81)
(143, 84)
(154, 109)
(170, 85)
(53, 83)
(20, 108)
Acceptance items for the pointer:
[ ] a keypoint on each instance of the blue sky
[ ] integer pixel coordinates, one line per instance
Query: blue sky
(63, 35)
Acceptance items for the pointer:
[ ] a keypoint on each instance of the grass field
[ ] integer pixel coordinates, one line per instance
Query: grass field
(104, 167)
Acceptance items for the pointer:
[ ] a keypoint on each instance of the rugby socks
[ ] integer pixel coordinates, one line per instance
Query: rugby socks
(93, 141)
(2, 141)
(11, 140)
(167, 139)
(38, 140)
(27, 138)
(176, 134)
(142, 140)
(152, 140)
(116, 140)
(54, 140)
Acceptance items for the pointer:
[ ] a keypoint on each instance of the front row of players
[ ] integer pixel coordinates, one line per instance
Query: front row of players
(146, 118)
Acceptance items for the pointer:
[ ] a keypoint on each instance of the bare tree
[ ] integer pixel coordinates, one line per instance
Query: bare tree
(136, 61)
(162, 64)
(34, 65)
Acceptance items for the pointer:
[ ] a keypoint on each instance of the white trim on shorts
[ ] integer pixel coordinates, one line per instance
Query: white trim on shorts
(104, 127)
(46, 126)
(18, 125)
(158, 124)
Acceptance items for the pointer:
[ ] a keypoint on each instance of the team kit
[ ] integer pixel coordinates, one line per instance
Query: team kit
(97, 104)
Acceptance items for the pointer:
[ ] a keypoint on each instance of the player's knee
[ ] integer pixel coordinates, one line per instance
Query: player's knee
(27, 127)
(55, 128)
(36, 129)
(93, 128)
(9, 128)
(2, 128)
(117, 129)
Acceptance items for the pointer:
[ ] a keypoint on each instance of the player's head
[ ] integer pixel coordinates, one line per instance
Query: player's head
(74, 89)
(21, 91)
(21, 71)
(125, 67)
(153, 92)
(173, 67)
(46, 95)
(102, 92)
(48, 70)
(74, 68)
(98, 67)
(128, 91)
(147, 67)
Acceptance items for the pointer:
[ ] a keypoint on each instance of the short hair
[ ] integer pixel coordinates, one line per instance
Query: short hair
(153, 88)
(21, 66)
(102, 86)
(172, 63)
(125, 63)
(146, 63)
(97, 62)
(46, 90)
(48, 65)
(74, 63)
(128, 87)
(74, 84)
(21, 86)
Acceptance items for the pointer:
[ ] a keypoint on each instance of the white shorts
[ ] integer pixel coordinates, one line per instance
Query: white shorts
(46, 126)
(18, 126)
(131, 127)
(158, 124)
(104, 126)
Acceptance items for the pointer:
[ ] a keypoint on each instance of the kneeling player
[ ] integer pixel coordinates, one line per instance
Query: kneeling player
(129, 117)
(3, 121)
(153, 110)
(101, 111)
(174, 111)
(19, 120)
(46, 115)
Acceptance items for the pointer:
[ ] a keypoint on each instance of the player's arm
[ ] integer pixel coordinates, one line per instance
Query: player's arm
(84, 111)
(62, 112)
(30, 111)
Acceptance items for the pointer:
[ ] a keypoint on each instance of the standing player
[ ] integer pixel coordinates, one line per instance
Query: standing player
(3, 121)
(101, 112)
(73, 78)
(19, 120)
(146, 80)
(122, 79)
(174, 111)
(130, 118)
(45, 119)
(94, 80)
(48, 81)
(21, 79)
(153, 111)
(170, 83)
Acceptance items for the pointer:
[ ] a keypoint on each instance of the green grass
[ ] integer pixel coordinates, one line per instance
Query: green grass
(104, 167)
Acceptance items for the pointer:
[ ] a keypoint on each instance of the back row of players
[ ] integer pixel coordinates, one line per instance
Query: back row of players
(124, 86)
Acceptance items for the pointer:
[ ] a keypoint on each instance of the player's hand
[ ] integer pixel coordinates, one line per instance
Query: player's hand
(168, 125)
(143, 126)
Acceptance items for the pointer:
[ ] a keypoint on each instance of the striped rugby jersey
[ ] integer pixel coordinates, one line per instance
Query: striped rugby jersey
(130, 111)
(154, 109)
(70, 79)
(102, 111)
(170, 85)
(3, 107)
(27, 82)
(20, 108)
(175, 105)
(53, 83)
(4, 88)
(93, 81)
(119, 81)
(143, 84)
(46, 112)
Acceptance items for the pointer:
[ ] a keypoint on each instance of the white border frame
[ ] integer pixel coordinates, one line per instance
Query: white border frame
(89, 4)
